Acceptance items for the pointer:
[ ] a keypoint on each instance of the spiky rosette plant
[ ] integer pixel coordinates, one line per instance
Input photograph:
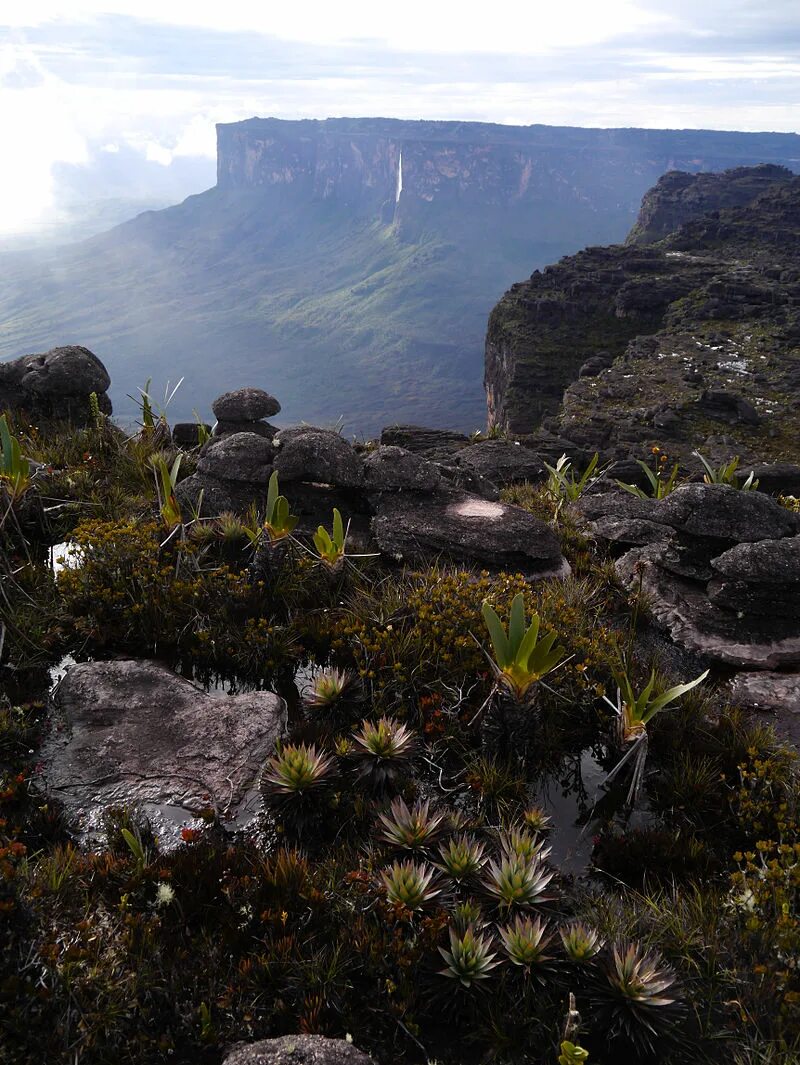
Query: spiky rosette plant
(411, 829)
(581, 943)
(411, 884)
(332, 687)
(519, 843)
(517, 882)
(382, 750)
(462, 858)
(292, 779)
(633, 1001)
(526, 941)
(470, 959)
(537, 820)
(466, 913)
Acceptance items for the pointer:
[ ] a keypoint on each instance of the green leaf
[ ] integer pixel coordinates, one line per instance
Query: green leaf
(671, 695)
(338, 530)
(497, 634)
(516, 625)
(528, 644)
(272, 495)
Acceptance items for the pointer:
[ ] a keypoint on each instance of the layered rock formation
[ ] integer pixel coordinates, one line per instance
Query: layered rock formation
(692, 341)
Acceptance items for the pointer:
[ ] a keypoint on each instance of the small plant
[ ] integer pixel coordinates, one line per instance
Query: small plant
(562, 484)
(466, 913)
(726, 474)
(572, 1054)
(411, 829)
(331, 687)
(537, 820)
(295, 773)
(203, 435)
(513, 881)
(632, 1003)
(519, 843)
(470, 958)
(521, 659)
(462, 858)
(634, 712)
(525, 941)
(98, 418)
(581, 943)
(410, 884)
(15, 470)
(279, 522)
(330, 546)
(661, 484)
(382, 750)
(166, 479)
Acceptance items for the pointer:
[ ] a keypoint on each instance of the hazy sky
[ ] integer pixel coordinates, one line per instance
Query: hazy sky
(144, 81)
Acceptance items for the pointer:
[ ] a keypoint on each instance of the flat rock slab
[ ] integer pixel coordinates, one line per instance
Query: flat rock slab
(134, 733)
(776, 692)
(503, 462)
(297, 1050)
(466, 528)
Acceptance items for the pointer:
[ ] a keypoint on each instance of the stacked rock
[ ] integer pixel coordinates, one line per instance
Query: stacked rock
(56, 384)
(244, 411)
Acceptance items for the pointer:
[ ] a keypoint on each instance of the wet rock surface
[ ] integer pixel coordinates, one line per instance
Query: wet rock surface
(465, 527)
(132, 732)
(297, 1050)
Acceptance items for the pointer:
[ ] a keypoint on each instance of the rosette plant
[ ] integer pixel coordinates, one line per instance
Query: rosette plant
(521, 658)
(470, 959)
(381, 750)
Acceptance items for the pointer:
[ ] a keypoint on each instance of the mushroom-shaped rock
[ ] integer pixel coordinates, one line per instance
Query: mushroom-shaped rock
(725, 513)
(502, 462)
(321, 456)
(243, 457)
(467, 528)
(245, 405)
(297, 1050)
(391, 468)
(133, 732)
(71, 370)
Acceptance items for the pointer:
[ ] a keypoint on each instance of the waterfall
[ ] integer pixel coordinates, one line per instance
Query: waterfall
(399, 178)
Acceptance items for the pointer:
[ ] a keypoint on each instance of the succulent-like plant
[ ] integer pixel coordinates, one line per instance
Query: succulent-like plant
(381, 750)
(295, 773)
(634, 1002)
(462, 858)
(411, 884)
(572, 1054)
(581, 943)
(466, 913)
(229, 527)
(519, 843)
(279, 522)
(517, 882)
(537, 820)
(411, 829)
(332, 687)
(521, 659)
(470, 958)
(15, 470)
(526, 940)
(330, 546)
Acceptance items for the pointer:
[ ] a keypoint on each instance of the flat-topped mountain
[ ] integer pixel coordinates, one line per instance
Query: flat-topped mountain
(689, 341)
(354, 260)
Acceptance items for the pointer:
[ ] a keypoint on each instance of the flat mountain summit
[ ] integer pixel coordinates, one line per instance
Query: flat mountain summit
(354, 260)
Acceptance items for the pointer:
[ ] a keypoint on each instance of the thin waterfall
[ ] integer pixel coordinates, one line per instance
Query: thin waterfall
(399, 178)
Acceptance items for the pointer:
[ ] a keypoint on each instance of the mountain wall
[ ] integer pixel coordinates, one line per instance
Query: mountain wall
(349, 264)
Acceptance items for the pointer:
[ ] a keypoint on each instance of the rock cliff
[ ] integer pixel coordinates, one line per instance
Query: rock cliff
(680, 342)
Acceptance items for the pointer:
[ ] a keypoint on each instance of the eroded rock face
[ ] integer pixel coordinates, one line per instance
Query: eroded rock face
(467, 528)
(134, 733)
(390, 468)
(725, 513)
(502, 462)
(434, 443)
(55, 384)
(306, 453)
(297, 1050)
(243, 457)
(245, 405)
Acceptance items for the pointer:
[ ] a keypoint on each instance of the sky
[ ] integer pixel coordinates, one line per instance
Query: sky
(119, 98)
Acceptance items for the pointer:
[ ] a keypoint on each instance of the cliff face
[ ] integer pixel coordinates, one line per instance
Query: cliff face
(694, 338)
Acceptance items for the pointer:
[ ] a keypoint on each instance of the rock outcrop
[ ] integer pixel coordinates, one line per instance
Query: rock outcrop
(297, 1050)
(56, 384)
(133, 733)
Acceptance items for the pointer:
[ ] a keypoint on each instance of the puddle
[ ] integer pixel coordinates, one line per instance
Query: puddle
(66, 555)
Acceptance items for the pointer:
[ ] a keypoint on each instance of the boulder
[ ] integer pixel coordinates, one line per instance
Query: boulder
(245, 405)
(390, 468)
(243, 457)
(774, 478)
(187, 434)
(56, 384)
(770, 562)
(724, 513)
(775, 692)
(297, 1050)
(502, 462)
(435, 443)
(466, 528)
(134, 733)
(264, 429)
(467, 480)
(210, 496)
(306, 453)
(728, 407)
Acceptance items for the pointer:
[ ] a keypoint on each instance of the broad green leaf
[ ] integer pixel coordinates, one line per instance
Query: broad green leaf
(497, 634)
(516, 625)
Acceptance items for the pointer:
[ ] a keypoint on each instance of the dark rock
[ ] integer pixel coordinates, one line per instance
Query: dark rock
(419, 439)
(467, 480)
(468, 529)
(133, 733)
(187, 434)
(210, 497)
(776, 692)
(765, 562)
(628, 471)
(774, 478)
(614, 503)
(725, 513)
(728, 407)
(629, 532)
(242, 457)
(245, 405)
(594, 366)
(297, 1050)
(306, 453)
(389, 468)
(56, 384)
(259, 428)
(502, 462)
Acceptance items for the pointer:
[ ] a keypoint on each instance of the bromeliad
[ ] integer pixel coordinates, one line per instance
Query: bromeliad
(521, 658)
